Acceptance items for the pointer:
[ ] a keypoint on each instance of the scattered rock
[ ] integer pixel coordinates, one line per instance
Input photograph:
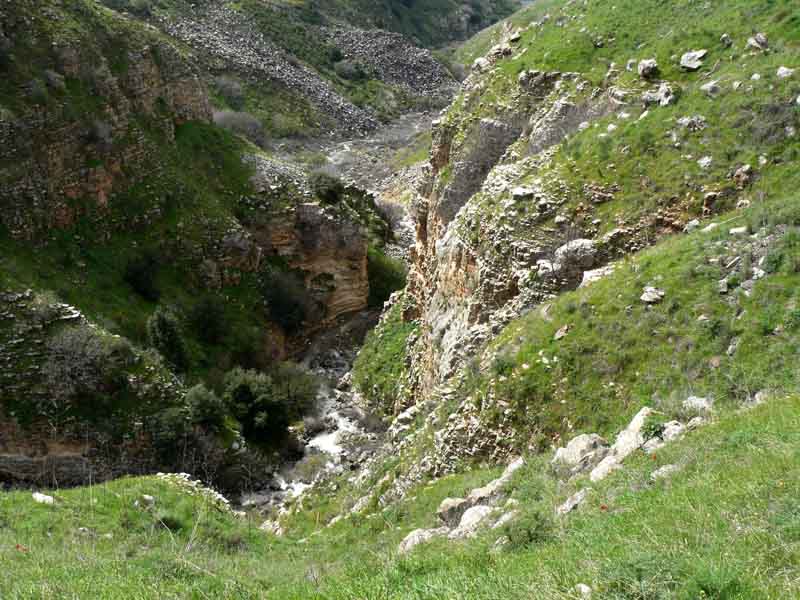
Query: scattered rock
(738, 231)
(698, 404)
(581, 453)
(712, 88)
(785, 72)
(43, 498)
(692, 61)
(652, 295)
(664, 472)
(691, 225)
(726, 40)
(451, 510)
(705, 162)
(562, 332)
(695, 423)
(743, 176)
(664, 96)
(419, 536)
(695, 123)
(648, 68)
(471, 521)
(572, 502)
(273, 527)
(584, 591)
(758, 42)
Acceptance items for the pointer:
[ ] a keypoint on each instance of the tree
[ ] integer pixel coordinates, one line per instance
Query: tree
(164, 334)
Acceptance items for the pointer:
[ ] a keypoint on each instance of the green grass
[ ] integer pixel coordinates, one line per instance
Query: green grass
(620, 353)
(380, 366)
(725, 525)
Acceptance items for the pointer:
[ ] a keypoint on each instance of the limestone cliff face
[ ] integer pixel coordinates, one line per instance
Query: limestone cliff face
(330, 251)
(478, 264)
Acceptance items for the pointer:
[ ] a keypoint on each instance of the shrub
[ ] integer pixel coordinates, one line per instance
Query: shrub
(386, 276)
(231, 90)
(265, 404)
(164, 334)
(391, 212)
(205, 407)
(328, 188)
(140, 273)
(242, 123)
(288, 301)
(353, 71)
(82, 363)
(528, 530)
(207, 318)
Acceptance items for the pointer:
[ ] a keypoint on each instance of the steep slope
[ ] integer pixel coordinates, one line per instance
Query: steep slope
(129, 221)
(317, 69)
(563, 154)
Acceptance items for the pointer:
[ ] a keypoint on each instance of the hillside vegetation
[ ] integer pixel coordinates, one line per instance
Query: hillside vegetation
(607, 258)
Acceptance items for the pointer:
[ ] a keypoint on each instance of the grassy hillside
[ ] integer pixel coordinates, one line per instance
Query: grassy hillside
(724, 526)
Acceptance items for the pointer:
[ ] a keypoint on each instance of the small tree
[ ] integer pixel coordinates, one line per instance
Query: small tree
(164, 334)
(327, 187)
(258, 406)
(206, 408)
(140, 274)
(207, 318)
(242, 123)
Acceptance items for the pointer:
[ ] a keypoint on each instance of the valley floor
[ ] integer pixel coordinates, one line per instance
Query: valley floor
(725, 524)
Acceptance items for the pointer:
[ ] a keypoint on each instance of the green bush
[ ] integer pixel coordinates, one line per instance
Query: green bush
(328, 188)
(164, 334)
(288, 301)
(386, 276)
(140, 273)
(265, 404)
(207, 318)
(84, 364)
(206, 408)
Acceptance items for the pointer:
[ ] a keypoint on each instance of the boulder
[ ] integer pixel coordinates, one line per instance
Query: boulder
(471, 521)
(664, 96)
(572, 502)
(494, 490)
(631, 439)
(575, 257)
(505, 519)
(698, 404)
(451, 510)
(581, 453)
(692, 61)
(758, 42)
(589, 277)
(419, 536)
(652, 295)
(43, 498)
(671, 431)
(607, 466)
(648, 68)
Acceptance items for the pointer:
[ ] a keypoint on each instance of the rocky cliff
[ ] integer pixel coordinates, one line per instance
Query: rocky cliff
(550, 167)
